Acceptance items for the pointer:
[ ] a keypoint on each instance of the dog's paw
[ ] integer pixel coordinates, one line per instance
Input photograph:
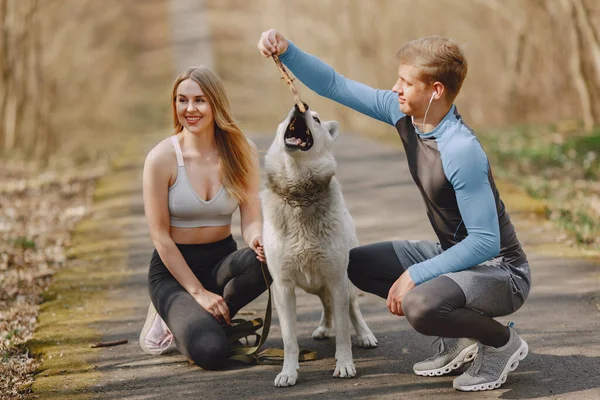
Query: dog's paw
(321, 333)
(344, 370)
(285, 379)
(367, 341)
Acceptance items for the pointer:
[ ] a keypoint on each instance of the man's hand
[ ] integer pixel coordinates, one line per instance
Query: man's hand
(272, 42)
(397, 292)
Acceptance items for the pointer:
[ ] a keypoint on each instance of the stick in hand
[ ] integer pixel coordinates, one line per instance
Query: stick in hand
(290, 82)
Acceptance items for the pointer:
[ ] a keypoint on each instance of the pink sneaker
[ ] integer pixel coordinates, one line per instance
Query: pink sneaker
(155, 338)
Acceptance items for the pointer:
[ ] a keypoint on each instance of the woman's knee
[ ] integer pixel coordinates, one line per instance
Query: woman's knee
(208, 351)
(250, 266)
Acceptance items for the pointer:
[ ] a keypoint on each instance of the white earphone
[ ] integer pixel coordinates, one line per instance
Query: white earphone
(426, 111)
(429, 105)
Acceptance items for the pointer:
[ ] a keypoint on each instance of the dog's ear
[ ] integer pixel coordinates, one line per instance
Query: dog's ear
(333, 127)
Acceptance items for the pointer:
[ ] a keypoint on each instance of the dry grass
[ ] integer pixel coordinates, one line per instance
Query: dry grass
(101, 65)
(37, 214)
(108, 64)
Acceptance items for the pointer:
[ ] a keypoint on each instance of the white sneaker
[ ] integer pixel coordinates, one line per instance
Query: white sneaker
(452, 354)
(492, 365)
(155, 338)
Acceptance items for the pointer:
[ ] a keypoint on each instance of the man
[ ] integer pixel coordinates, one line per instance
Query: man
(478, 270)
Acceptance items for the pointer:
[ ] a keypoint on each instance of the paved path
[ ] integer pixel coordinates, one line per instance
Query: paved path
(560, 321)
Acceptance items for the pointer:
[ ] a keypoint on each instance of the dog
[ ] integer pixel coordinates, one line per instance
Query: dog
(308, 234)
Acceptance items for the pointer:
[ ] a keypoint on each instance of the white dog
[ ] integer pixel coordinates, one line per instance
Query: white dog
(308, 234)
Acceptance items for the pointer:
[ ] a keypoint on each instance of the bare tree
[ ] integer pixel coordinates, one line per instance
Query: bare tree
(65, 80)
(5, 65)
(531, 61)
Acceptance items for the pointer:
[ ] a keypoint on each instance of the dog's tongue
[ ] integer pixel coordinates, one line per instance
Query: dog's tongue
(293, 141)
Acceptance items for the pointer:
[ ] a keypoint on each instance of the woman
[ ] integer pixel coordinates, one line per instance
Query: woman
(193, 182)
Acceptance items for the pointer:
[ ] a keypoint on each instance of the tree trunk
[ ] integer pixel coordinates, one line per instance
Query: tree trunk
(589, 33)
(576, 65)
(5, 66)
(592, 55)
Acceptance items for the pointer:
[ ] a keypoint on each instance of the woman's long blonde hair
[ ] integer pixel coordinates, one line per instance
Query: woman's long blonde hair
(234, 149)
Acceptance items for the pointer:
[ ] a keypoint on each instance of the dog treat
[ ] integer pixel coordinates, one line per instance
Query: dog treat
(290, 82)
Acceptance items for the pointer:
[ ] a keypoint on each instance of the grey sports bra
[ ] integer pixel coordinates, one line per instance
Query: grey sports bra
(188, 210)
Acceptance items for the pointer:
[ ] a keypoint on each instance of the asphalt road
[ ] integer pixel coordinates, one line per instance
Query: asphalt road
(560, 321)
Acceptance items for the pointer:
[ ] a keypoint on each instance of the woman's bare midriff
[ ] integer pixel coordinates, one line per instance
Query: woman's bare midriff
(202, 235)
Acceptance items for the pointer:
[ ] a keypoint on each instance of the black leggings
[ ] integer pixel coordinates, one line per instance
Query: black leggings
(222, 269)
(435, 308)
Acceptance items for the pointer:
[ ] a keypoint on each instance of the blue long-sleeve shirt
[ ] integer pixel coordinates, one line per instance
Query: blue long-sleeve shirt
(448, 165)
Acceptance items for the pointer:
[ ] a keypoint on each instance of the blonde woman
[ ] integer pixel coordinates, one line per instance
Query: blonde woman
(193, 182)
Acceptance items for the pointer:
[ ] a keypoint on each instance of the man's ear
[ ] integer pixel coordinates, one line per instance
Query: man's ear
(333, 127)
(440, 90)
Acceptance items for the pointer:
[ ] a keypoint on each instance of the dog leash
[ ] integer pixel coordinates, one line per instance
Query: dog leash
(250, 353)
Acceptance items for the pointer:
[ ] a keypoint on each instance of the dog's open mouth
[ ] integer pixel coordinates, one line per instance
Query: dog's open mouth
(297, 135)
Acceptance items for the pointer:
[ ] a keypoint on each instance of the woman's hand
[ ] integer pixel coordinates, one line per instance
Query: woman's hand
(214, 304)
(272, 42)
(257, 246)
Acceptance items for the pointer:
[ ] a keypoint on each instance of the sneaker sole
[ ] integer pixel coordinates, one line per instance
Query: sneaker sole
(147, 325)
(511, 365)
(465, 356)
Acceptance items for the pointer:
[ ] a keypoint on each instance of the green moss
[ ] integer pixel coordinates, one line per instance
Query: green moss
(78, 298)
(64, 334)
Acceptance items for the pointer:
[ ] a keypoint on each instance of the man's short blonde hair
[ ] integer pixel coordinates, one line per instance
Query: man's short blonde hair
(439, 59)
